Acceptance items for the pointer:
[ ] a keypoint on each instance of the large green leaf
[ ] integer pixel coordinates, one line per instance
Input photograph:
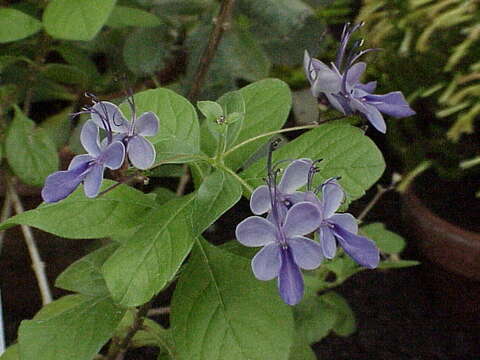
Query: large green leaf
(179, 134)
(147, 261)
(30, 152)
(16, 25)
(267, 104)
(85, 275)
(218, 193)
(76, 19)
(220, 311)
(74, 327)
(78, 217)
(127, 16)
(345, 150)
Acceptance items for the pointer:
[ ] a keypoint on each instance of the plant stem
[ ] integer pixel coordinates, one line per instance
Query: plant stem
(380, 191)
(158, 311)
(295, 128)
(37, 264)
(118, 349)
(6, 212)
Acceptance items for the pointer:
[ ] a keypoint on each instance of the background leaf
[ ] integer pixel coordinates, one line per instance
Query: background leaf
(30, 152)
(79, 217)
(58, 127)
(127, 16)
(147, 261)
(386, 240)
(346, 323)
(16, 25)
(345, 150)
(73, 327)
(76, 19)
(237, 316)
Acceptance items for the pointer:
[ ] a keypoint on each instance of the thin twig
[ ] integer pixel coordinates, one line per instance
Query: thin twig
(380, 191)
(119, 348)
(159, 311)
(37, 264)
(6, 212)
(184, 179)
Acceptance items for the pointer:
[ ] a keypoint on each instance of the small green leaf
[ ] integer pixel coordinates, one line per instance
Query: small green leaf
(239, 316)
(58, 127)
(345, 324)
(76, 19)
(84, 276)
(218, 193)
(145, 263)
(179, 134)
(80, 58)
(342, 266)
(30, 152)
(267, 105)
(210, 109)
(66, 74)
(122, 16)
(145, 50)
(79, 217)
(73, 327)
(387, 241)
(314, 319)
(16, 25)
(345, 150)
(233, 106)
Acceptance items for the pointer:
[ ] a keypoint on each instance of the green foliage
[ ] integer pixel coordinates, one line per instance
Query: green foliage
(120, 209)
(30, 152)
(76, 19)
(73, 327)
(16, 25)
(122, 16)
(58, 127)
(387, 241)
(345, 150)
(240, 317)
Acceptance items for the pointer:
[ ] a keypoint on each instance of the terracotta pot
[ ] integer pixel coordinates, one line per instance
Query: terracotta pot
(452, 258)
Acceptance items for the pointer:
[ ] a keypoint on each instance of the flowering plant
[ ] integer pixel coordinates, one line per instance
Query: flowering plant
(223, 304)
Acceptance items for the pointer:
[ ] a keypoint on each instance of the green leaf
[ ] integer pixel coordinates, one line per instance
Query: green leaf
(76, 19)
(345, 150)
(145, 50)
(73, 327)
(345, 324)
(31, 154)
(218, 193)
(144, 264)
(16, 25)
(84, 276)
(80, 58)
(179, 134)
(152, 334)
(233, 106)
(314, 319)
(238, 316)
(342, 266)
(387, 241)
(65, 74)
(122, 16)
(79, 217)
(301, 350)
(210, 109)
(58, 127)
(267, 105)
(12, 353)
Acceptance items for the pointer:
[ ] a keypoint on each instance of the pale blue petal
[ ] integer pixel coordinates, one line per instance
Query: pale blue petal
(147, 124)
(260, 201)
(346, 221)
(375, 117)
(368, 87)
(295, 176)
(393, 104)
(355, 72)
(79, 160)
(256, 231)
(327, 242)
(93, 181)
(306, 253)
(140, 152)
(290, 279)
(332, 197)
(301, 219)
(110, 113)
(266, 263)
(114, 155)
(361, 249)
(89, 138)
(60, 184)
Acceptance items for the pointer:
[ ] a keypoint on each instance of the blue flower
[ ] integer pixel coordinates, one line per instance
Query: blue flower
(340, 83)
(141, 152)
(87, 168)
(341, 228)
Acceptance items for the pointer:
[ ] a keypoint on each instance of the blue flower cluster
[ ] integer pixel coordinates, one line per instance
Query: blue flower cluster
(122, 137)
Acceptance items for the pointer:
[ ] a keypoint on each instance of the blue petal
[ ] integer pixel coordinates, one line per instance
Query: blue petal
(60, 184)
(368, 87)
(93, 181)
(260, 200)
(266, 263)
(301, 219)
(295, 176)
(361, 249)
(355, 72)
(111, 113)
(89, 138)
(393, 104)
(306, 253)
(332, 197)
(147, 124)
(114, 155)
(140, 152)
(327, 242)
(371, 113)
(256, 231)
(290, 279)
(346, 221)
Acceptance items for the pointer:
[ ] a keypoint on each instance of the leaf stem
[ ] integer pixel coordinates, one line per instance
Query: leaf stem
(6, 212)
(236, 176)
(37, 264)
(158, 311)
(295, 128)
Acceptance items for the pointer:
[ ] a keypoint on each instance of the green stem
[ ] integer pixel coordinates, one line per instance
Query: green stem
(235, 175)
(295, 128)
